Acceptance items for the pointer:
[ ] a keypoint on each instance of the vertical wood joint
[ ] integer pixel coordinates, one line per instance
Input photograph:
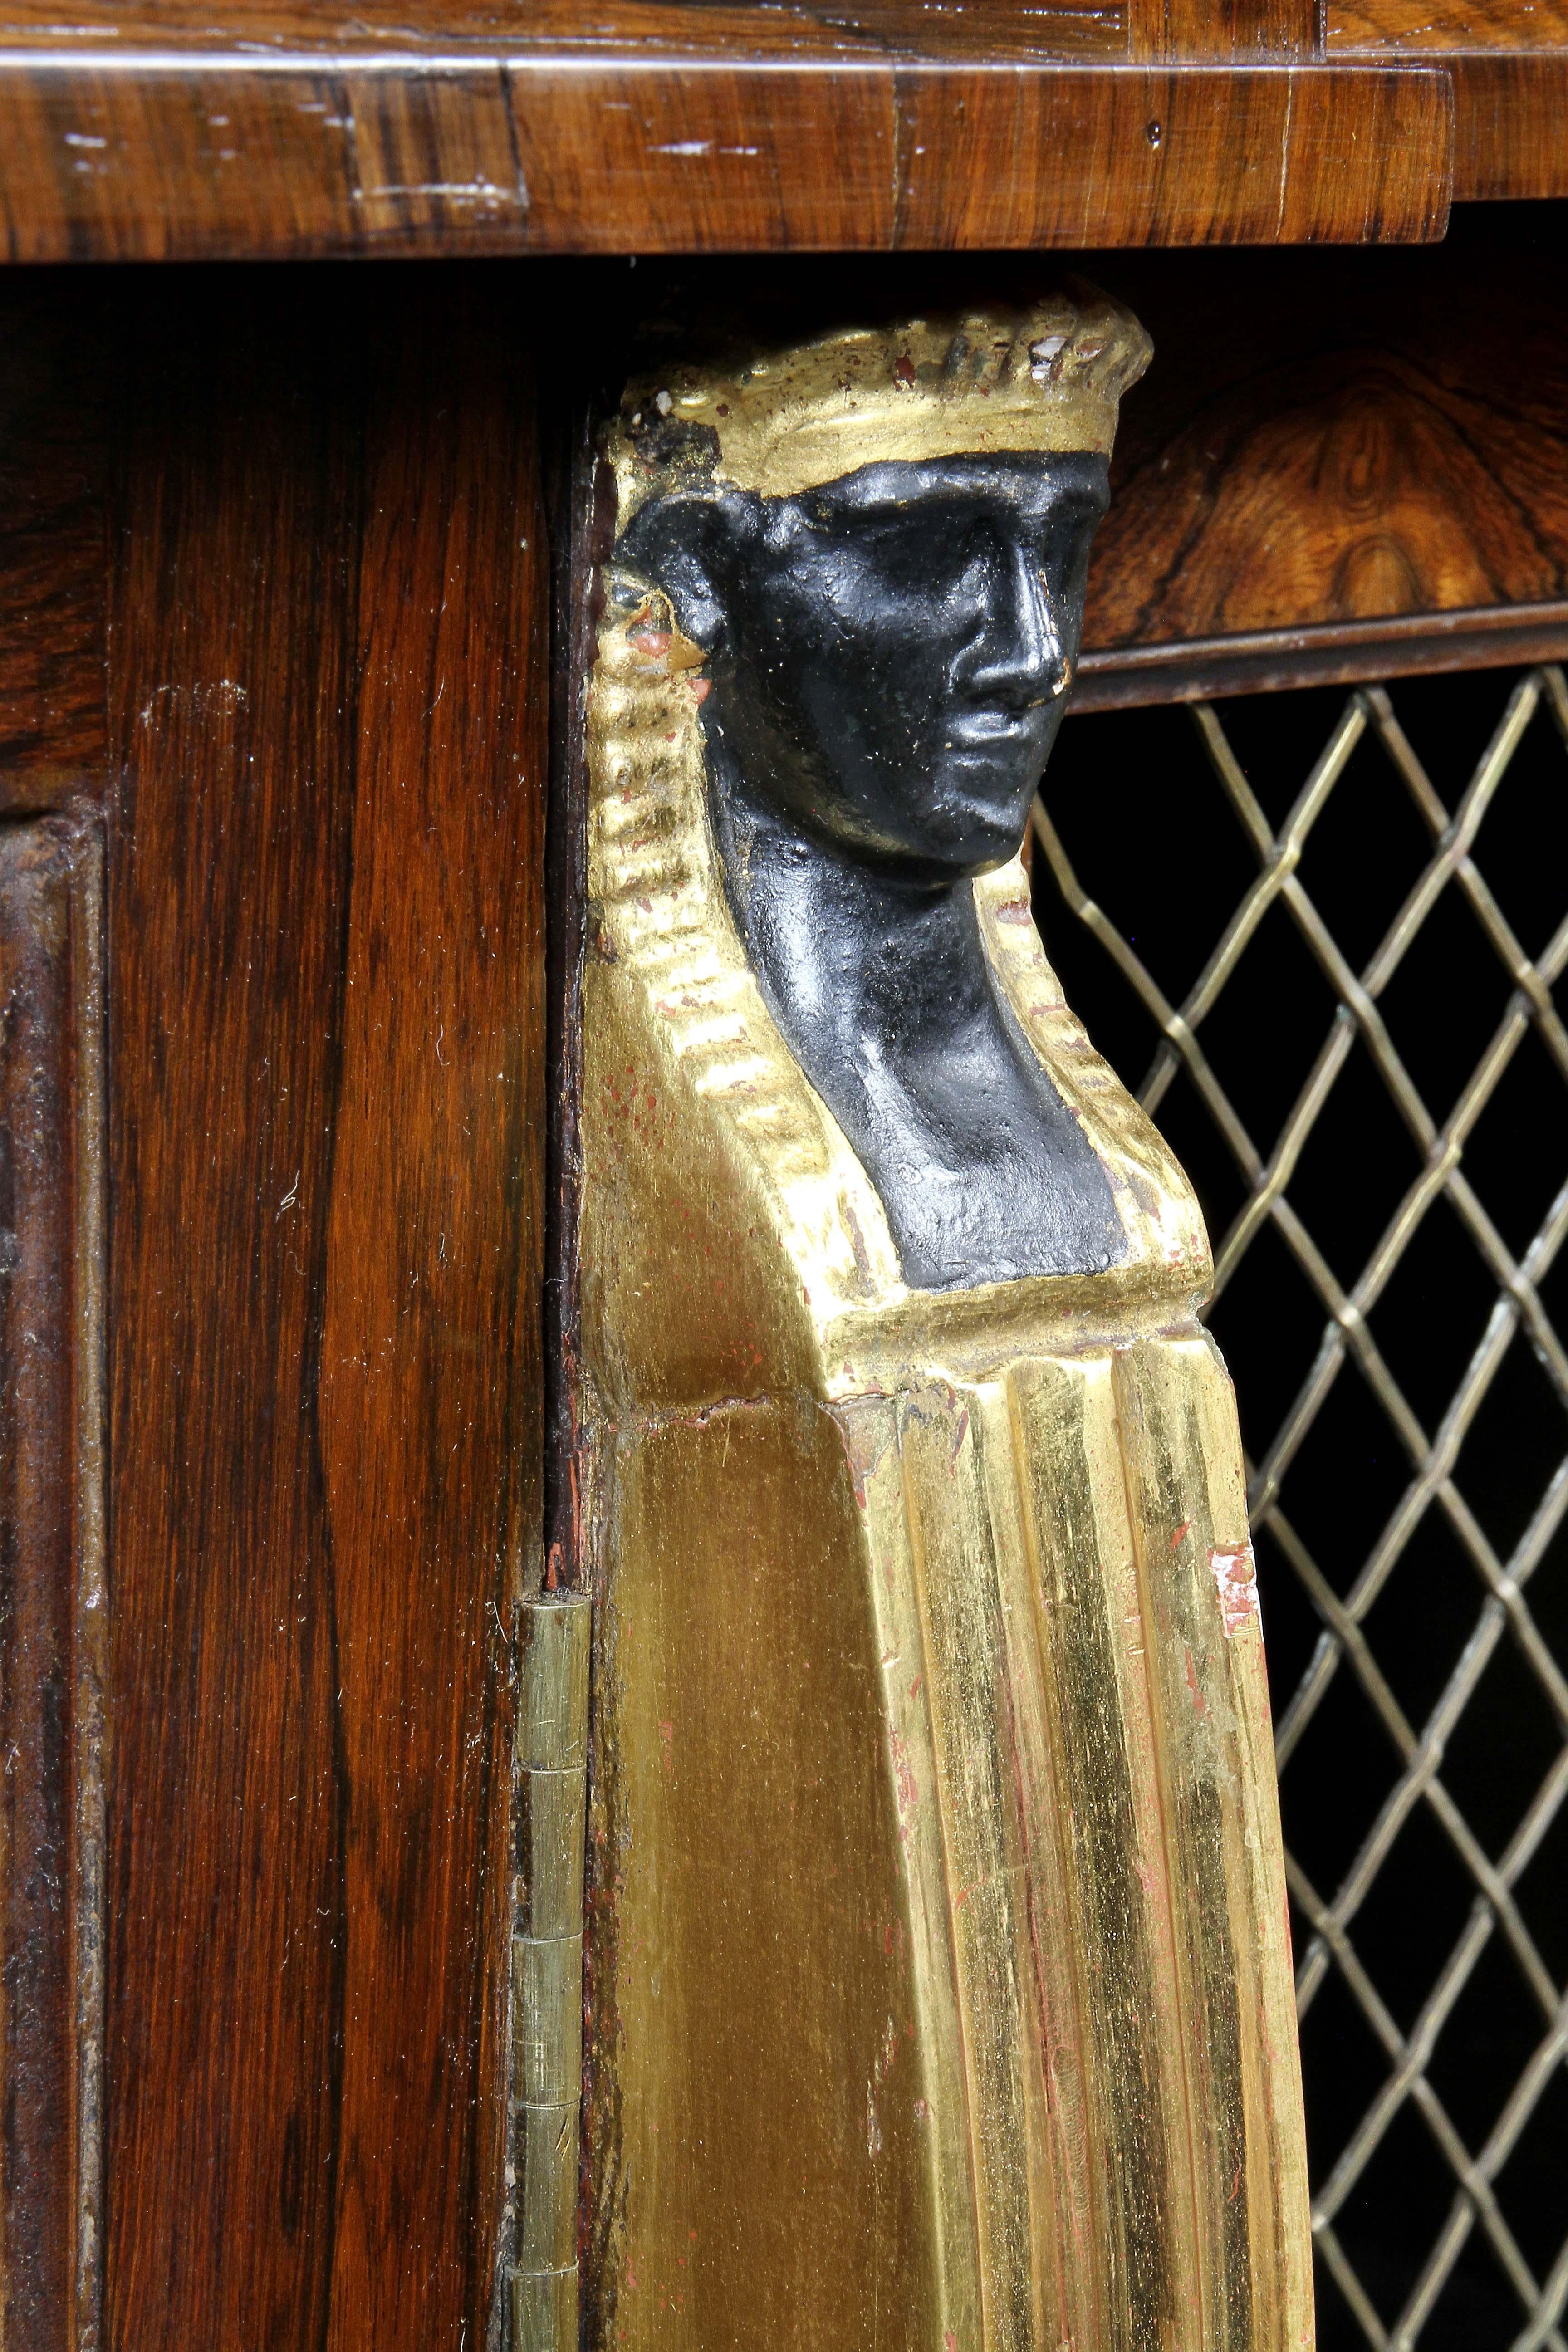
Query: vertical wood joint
(547, 1967)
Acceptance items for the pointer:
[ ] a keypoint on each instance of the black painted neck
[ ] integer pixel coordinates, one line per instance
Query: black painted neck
(847, 953)
(880, 985)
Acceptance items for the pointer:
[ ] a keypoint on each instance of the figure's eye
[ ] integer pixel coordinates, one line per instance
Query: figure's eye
(944, 539)
(1064, 541)
(898, 533)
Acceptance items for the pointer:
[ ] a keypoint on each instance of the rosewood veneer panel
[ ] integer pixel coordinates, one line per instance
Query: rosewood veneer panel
(1341, 442)
(1234, 29)
(171, 152)
(1509, 60)
(1451, 27)
(328, 702)
(52, 475)
(742, 30)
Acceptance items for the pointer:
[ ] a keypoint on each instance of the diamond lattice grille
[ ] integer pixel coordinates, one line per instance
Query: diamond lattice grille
(1373, 1069)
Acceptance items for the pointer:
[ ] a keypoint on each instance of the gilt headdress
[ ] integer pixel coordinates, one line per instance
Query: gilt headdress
(1046, 376)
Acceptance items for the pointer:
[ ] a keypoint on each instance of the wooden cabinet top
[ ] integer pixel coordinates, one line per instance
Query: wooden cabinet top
(177, 131)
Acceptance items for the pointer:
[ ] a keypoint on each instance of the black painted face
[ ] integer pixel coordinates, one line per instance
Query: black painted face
(890, 651)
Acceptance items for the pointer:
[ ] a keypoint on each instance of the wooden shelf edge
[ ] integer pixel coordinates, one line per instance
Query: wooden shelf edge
(1510, 67)
(1511, 126)
(159, 154)
(1202, 669)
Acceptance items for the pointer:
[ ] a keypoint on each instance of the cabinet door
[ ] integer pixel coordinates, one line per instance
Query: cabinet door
(271, 572)
(327, 717)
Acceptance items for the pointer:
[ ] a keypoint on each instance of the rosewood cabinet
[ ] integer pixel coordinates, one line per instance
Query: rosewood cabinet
(298, 553)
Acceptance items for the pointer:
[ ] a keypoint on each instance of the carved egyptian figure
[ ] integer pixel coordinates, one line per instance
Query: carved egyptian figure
(940, 1984)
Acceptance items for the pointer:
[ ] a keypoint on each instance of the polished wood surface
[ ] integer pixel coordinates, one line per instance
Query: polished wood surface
(173, 154)
(274, 128)
(1337, 441)
(739, 30)
(1181, 158)
(1449, 28)
(1509, 62)
(1511, 126)
(328, 704)
(1236, 29)
(52, 1586)
(53, 446)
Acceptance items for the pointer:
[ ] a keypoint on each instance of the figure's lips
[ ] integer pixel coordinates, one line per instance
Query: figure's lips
(983, 726)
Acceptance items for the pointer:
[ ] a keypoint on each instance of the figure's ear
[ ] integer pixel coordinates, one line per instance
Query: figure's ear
(692, 544)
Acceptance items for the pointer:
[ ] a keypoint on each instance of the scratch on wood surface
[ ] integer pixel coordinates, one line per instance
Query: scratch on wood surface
(1285, 153)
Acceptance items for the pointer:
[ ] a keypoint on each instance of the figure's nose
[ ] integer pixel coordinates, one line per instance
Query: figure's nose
(1016, 655)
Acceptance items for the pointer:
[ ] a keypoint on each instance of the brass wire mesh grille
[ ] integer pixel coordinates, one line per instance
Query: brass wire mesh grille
(1435, 2022)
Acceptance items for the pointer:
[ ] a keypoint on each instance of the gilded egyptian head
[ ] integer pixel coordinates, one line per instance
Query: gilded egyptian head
(875, 546)
(881, 540)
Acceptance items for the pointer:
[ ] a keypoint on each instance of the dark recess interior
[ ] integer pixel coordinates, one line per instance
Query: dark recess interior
(1156, 843)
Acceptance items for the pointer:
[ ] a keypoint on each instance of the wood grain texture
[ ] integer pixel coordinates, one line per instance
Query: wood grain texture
(53, 444)
(1509, 62)
(1511, 126)
(1173, 29)
(52, 1582)
(1178, 158)
(1331, 439)
(1448, 27)
(740, 30)
(176, 153)
(327, 697)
